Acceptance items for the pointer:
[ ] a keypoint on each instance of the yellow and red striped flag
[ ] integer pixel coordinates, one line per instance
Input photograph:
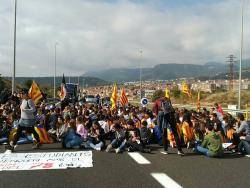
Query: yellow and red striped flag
(123, 99)
(63, 91)
(198, 101)
(34, 93)
(114, 97)
(185, 89)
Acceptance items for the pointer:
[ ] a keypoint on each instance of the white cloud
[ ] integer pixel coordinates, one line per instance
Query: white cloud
(99, 35)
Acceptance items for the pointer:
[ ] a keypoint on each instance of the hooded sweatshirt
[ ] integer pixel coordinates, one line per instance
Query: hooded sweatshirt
(213, 142)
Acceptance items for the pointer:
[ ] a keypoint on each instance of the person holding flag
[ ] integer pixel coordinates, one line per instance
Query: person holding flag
(26, 122)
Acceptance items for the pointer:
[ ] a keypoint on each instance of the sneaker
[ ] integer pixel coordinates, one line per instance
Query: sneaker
(36, 146)
(98, 149)
(164, 152)
(109, 147)
(147, 150)
(9, 147)
(117, 150)
(181, 153)
(188, 145)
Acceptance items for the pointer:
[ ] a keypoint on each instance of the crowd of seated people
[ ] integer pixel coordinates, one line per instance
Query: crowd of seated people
(130, 128)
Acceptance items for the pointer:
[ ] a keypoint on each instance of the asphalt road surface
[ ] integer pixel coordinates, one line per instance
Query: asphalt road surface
(136, 170)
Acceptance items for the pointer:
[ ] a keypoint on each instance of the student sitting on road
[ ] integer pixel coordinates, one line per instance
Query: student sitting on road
(96, 137)
(81, 128)
(62, 127)
(212, 144)
(134, 142)
(119, 138)
(72, 139)
(145, 133)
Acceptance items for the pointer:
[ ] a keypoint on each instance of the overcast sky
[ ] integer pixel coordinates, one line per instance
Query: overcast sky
(101, 34)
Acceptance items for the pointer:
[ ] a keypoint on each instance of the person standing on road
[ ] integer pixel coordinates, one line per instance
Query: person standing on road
(27, 121)
(165, 114)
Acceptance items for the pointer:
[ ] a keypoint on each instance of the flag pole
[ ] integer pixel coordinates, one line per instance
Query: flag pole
(13, 85)
(241, 53)
(55, 72)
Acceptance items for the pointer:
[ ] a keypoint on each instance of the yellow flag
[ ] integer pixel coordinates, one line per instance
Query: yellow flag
(35, 93)
(114, 97)
(167, 92)
(185, 89)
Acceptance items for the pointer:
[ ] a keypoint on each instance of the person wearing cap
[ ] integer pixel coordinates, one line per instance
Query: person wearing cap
(212, 143)
(27, 121)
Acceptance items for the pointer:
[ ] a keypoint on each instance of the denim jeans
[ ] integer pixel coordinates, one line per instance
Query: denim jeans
(244, 147)
(165, 121)
(205, 151)
(201, 150)
(90, 145)
(123, 145)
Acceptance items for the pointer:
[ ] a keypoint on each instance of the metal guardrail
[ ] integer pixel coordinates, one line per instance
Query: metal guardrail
(192, 107)
(246, 112)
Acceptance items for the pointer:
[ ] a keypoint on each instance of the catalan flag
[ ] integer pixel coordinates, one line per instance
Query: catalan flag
(123, 99)
(185, 89)
(114, 97)
(167, 92)
(198, 101)
(35, 93)
(63, 91)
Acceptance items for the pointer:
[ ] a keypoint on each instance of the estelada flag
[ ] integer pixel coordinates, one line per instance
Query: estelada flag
(114, 97)
(185, 89)
(123, 99)
(63, 91)
(34, 92)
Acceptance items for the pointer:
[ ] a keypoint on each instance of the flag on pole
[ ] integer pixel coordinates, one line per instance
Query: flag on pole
(114, 97)
(63, 91)
(198, 101)
(185, 89)
(167, 92)
(34, 92)
(123, 99)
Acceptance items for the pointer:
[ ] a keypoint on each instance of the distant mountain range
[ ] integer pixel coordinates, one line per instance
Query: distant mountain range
(85, 81)
(167, 72)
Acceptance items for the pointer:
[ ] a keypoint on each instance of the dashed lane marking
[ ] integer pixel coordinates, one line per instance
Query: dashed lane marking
(139, 158)
(165, 180)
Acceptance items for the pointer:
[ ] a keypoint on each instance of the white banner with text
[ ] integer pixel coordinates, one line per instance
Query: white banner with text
(45, 161)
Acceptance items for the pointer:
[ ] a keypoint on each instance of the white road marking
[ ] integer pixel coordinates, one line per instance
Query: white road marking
(248, 155)
(165, 180)
(139, 158)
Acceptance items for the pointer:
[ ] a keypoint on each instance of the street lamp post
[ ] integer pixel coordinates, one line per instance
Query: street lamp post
(55, 72)
(14, 60)
(140, 74)
(241, 53)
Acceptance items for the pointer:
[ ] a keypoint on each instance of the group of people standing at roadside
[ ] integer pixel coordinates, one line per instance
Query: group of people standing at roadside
(131, 128)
